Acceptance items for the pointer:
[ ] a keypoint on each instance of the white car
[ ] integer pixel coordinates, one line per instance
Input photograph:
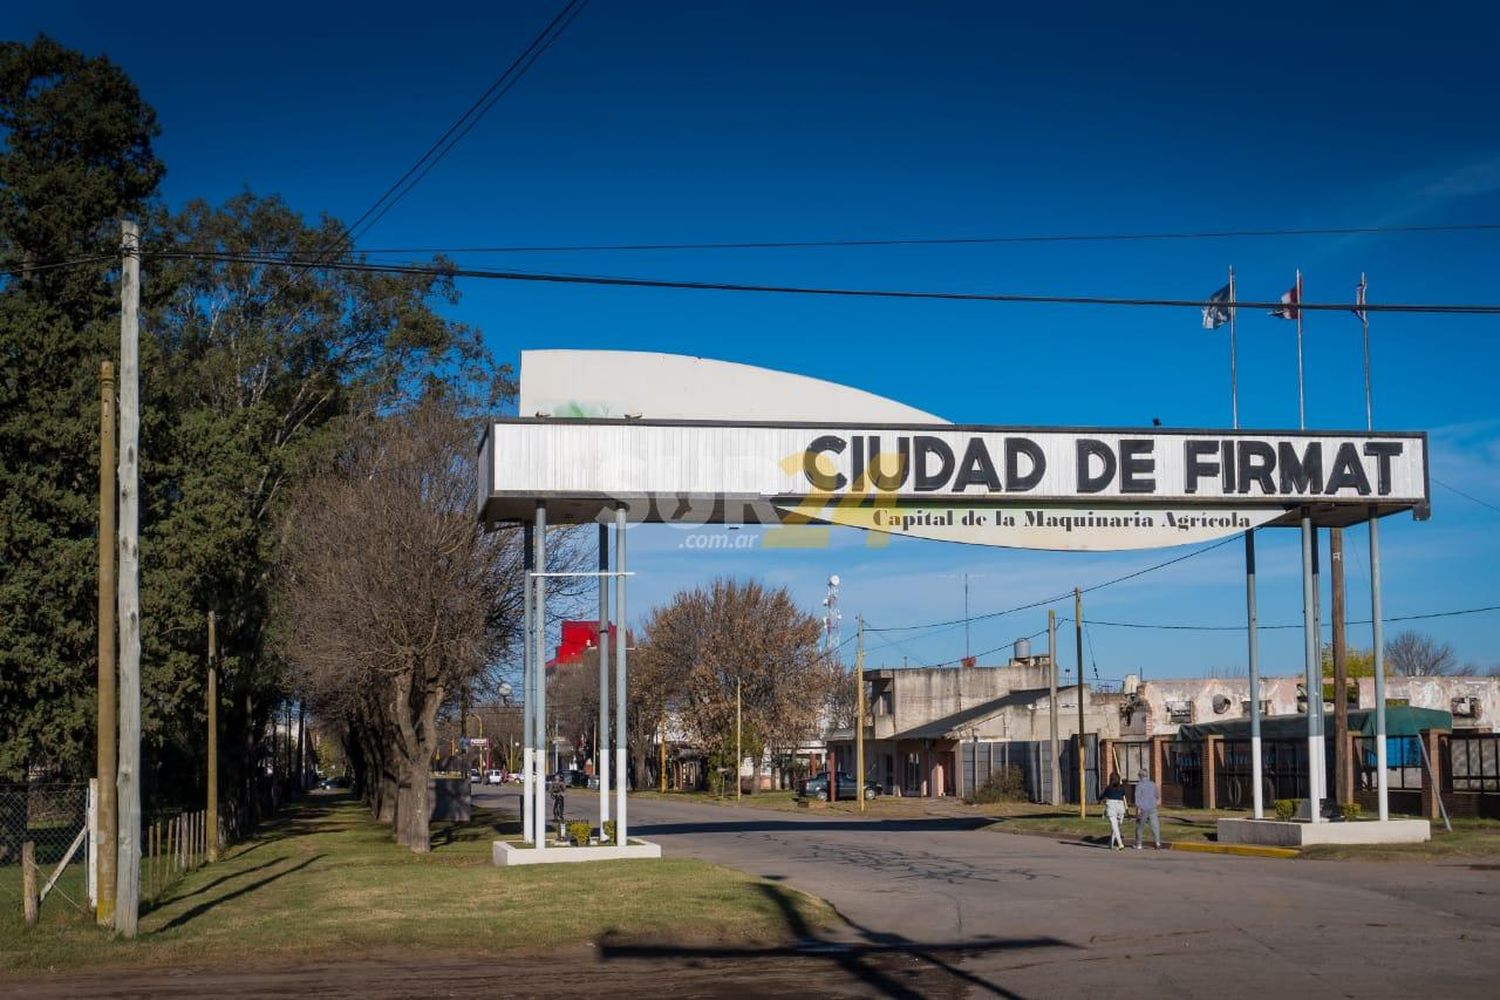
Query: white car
(493, 778)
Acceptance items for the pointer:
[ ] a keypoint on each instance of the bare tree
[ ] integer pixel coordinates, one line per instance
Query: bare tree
(707, 643)
(1416, 654)
(394, 596)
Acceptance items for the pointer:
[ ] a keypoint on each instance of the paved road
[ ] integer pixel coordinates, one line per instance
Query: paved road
(1015, 915)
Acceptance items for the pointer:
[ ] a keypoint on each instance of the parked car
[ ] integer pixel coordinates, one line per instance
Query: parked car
(494, 777)
(816, 786)
(474, 777)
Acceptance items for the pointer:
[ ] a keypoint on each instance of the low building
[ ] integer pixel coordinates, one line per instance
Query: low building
(934, 731)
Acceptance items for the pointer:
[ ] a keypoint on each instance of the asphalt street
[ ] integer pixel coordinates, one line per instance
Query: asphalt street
(1013, 915)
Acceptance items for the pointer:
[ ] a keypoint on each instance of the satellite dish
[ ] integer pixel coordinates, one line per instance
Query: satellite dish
(833, 581)
(1221, 704)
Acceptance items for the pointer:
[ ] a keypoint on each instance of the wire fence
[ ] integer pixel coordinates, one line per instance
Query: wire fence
(52, 818)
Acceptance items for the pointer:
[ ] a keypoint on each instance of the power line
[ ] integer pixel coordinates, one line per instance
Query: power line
(1052, 600)
(22, 270)
(1481, 309)
(951, 240)
(1167, 627)
(1466, 496)
(464, 123)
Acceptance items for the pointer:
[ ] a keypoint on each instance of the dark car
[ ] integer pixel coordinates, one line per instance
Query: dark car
(816, 787)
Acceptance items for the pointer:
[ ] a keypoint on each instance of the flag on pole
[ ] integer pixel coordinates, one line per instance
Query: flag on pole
(1290, 299)
(1216, 313)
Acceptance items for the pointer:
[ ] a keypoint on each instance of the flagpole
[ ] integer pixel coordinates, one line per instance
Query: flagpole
(1301, 402)
(1234, 390)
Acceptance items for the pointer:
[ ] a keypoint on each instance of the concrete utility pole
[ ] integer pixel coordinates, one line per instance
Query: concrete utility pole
(104, 836)
(213, 738)
(128, 870)
(1083, 800)
(739, 755)
(1052, 705)
(1340, 670)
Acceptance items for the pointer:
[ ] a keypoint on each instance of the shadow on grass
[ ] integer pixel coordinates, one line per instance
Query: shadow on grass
(159, 903)
(243, 890)
(861, 959)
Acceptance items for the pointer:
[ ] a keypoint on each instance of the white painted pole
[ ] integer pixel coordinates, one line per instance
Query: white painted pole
(1251, 628)
(1317, 702)
(621, 771)
(601, 742)
(1312, 667)
(1378, 637)
(539, 671)
(128, 865)
(528, 696)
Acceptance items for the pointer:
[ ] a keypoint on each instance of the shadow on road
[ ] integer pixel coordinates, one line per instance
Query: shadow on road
(867, 960)
(933, 824)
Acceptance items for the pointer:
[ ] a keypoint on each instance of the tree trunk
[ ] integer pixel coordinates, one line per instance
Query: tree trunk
(419, 808)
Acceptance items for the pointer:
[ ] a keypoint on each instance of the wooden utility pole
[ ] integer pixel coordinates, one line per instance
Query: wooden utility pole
(213, 738)
(128, 869)
(661, 744)
(106, 765)
(1083, 800)
(859, 713)
(1340, 671)
(1056, 770)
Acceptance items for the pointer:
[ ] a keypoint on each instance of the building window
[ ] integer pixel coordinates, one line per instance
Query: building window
(1179, 711)
(1265, 707)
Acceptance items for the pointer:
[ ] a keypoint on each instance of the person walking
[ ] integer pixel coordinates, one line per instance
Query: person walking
(1147, 799)
(1114, 808)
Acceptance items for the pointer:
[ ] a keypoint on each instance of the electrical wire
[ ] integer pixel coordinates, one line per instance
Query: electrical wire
(464, 124)
(1466, 496)
(19, 271)
(1476, 309)
(1058, 597)
(1166, 627)
(948, 240)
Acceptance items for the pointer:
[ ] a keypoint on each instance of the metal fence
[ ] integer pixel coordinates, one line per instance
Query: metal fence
(52, 818)
(1034, 758)
(1472, 763)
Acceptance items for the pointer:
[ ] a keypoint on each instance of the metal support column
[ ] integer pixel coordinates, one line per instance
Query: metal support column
(1312, 667)
(1251, 629)
(539, 682)
(621, 772)
(1378, 638)
(528, 696)
(1317, 701)
(601, 755)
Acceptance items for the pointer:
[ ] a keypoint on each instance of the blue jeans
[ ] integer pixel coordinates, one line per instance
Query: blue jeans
(1141, 818)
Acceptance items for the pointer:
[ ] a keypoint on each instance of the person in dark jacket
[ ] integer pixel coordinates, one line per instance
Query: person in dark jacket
(1114, 808)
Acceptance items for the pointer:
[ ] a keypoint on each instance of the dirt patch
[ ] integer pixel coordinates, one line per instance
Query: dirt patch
(658, 970)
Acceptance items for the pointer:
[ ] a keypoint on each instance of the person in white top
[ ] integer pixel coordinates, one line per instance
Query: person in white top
(1147, 799)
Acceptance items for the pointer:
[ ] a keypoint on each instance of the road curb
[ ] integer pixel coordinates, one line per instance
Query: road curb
(1241, 850)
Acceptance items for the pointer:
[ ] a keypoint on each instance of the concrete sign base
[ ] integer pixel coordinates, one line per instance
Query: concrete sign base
(1291, 834)
(508, 854)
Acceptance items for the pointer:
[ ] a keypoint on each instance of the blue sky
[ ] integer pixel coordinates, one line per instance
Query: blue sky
(661, 122)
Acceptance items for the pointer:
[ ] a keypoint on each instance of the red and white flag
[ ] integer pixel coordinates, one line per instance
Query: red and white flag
(1290, 299)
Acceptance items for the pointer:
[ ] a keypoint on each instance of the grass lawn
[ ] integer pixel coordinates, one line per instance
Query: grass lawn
(1478, 839)
(328, 879)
